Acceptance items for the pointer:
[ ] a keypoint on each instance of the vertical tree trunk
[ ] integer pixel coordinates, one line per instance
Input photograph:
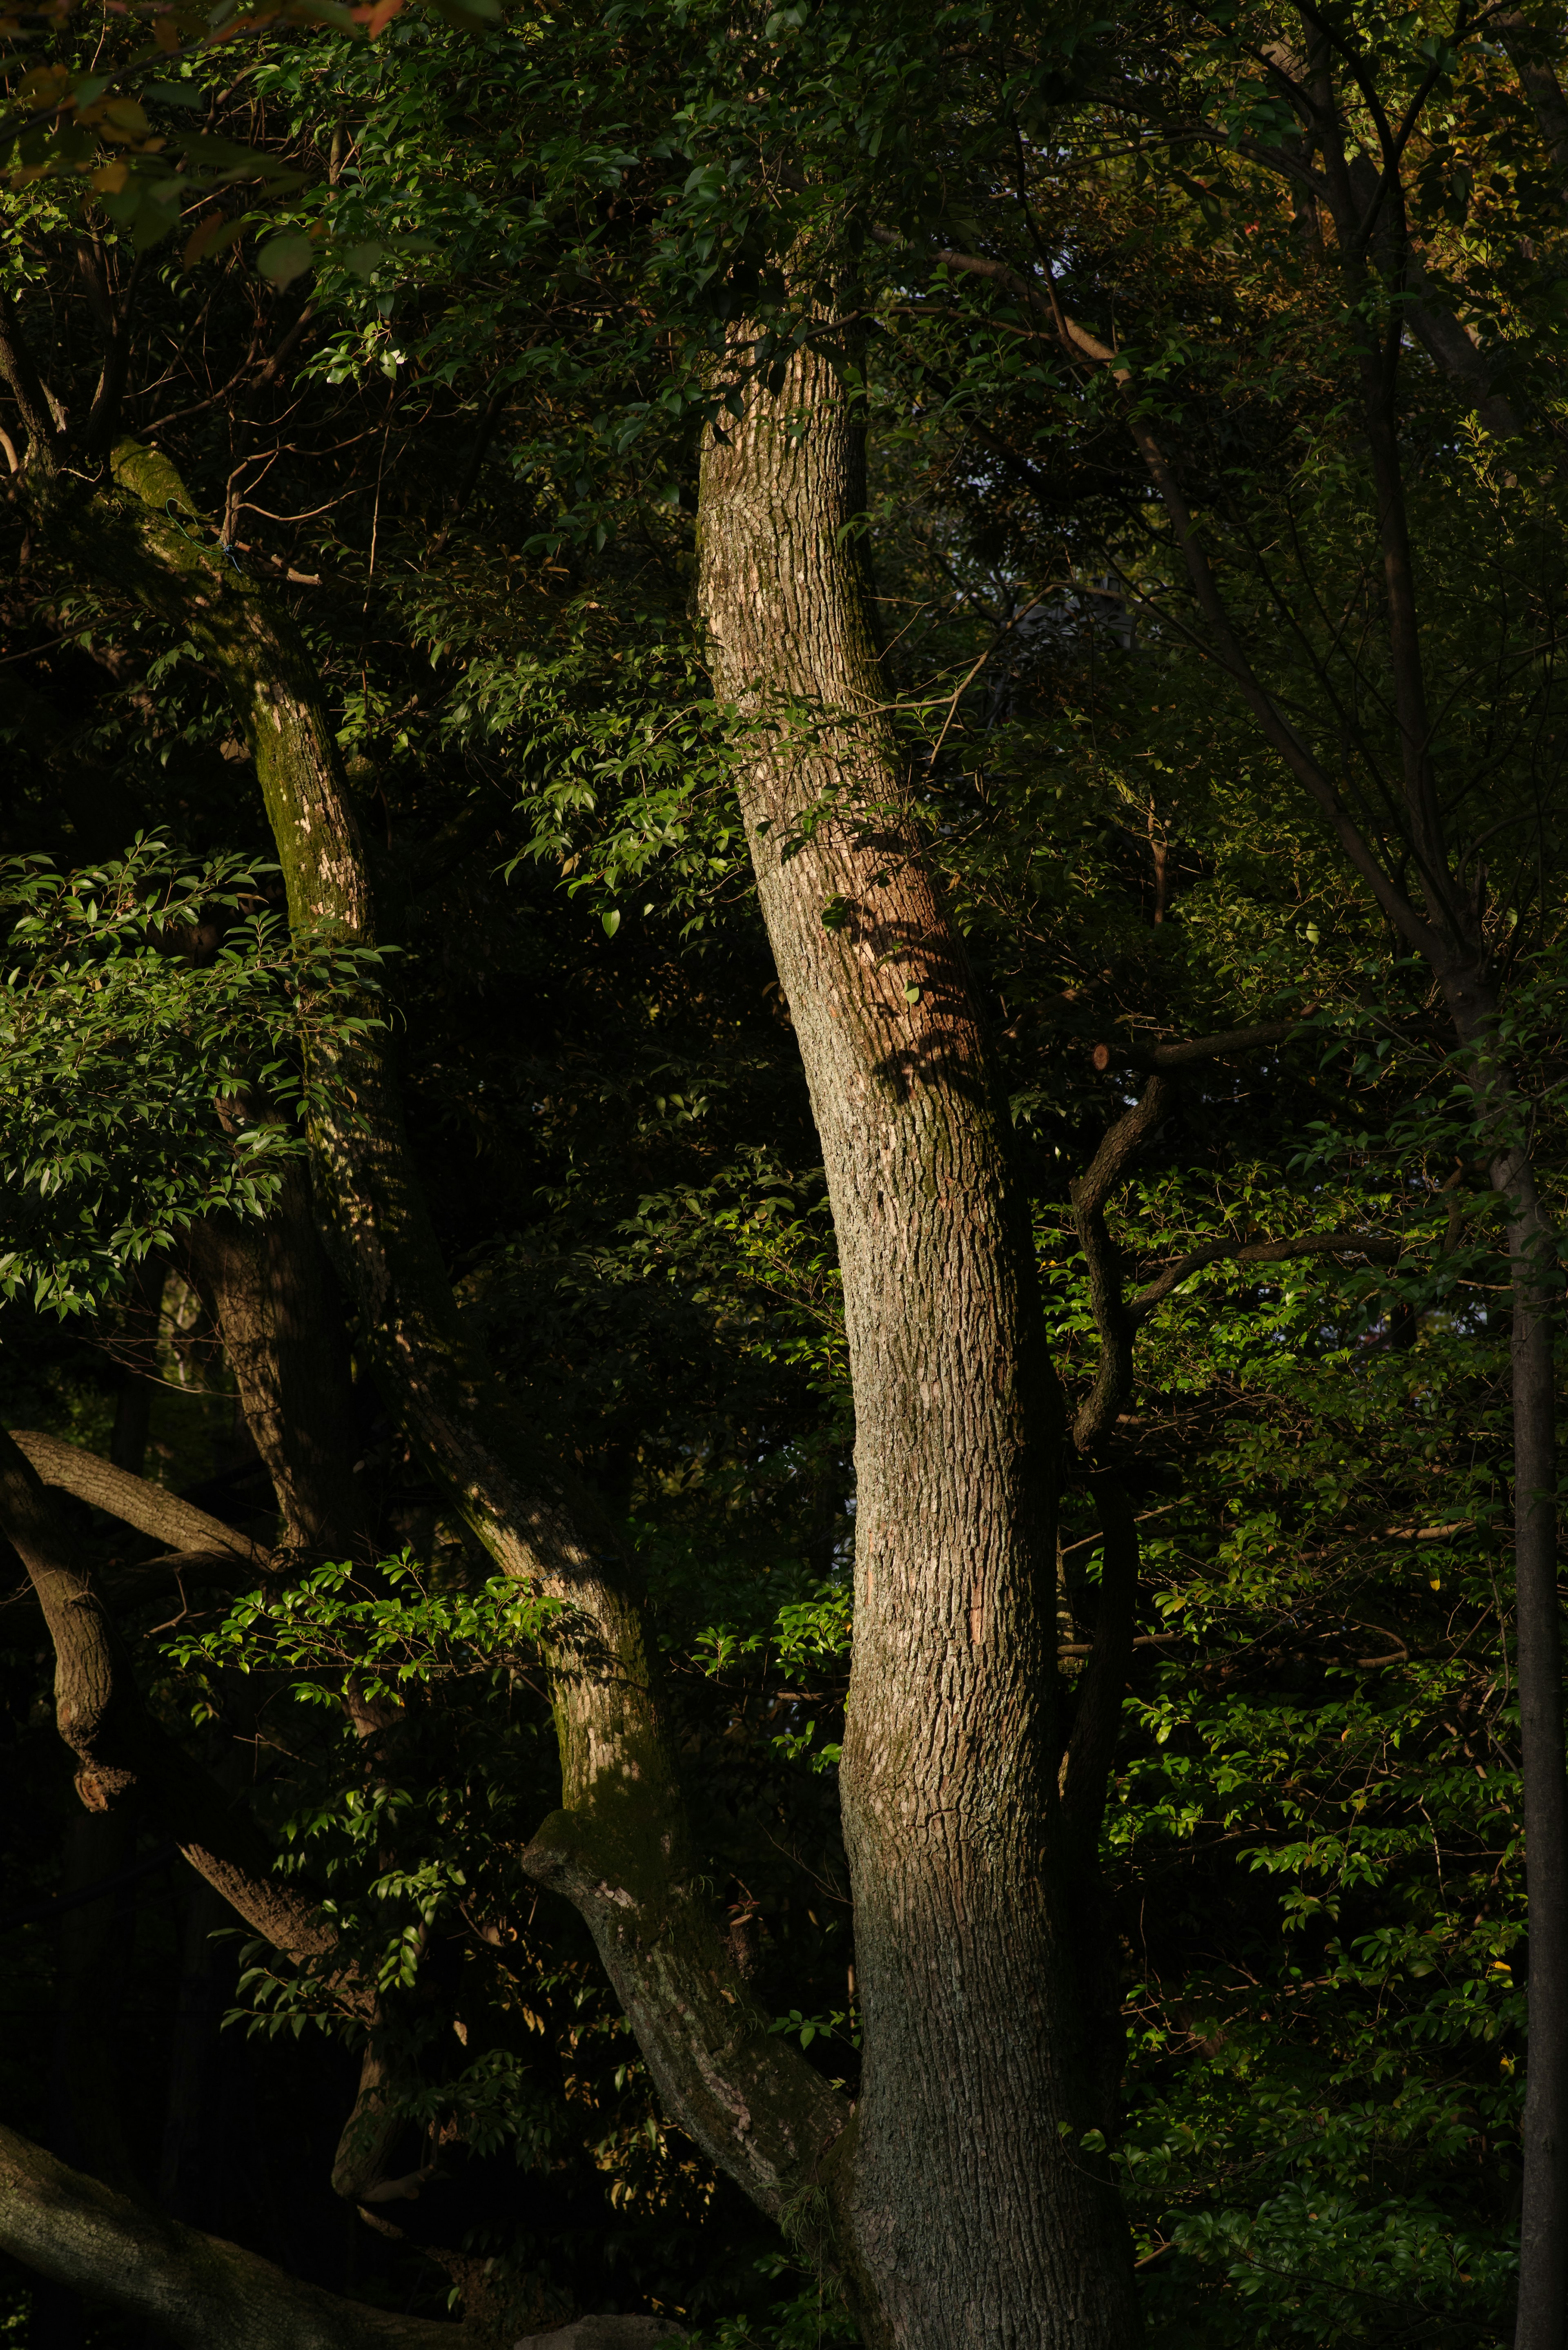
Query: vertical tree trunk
(1443, 924)
(972, 2214)
(139, 1366)
(270, 1292)
(1543, 2239)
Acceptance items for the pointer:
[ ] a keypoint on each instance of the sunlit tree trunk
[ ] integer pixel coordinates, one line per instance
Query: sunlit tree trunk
(969, 2211)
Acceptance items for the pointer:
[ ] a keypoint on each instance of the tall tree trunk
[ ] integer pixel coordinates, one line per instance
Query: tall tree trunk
(1441, 919)
(972, 2214)
(1543, 2316)
(967, 2217)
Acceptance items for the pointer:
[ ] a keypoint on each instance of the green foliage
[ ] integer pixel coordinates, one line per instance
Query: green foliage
(149, 1009)
(525, 245)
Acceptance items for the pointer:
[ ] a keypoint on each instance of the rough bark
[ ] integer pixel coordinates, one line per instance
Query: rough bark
(969, 2216)
(150, 1508)
(199, 2291)
(277, 1309)
(619, 1848)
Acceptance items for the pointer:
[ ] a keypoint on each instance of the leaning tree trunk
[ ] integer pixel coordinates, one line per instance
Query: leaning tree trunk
(270, 1291)
(620, 1846)
(971, 2213)
(967, 2214)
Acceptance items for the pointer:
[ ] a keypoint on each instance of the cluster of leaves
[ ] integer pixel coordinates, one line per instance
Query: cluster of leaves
(155, 1030)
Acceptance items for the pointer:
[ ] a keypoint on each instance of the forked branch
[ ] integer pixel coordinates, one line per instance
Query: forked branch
(124, 1755)
(621, 1847)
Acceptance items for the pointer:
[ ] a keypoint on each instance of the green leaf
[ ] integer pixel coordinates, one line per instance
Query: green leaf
(611, 922)
(287, 258)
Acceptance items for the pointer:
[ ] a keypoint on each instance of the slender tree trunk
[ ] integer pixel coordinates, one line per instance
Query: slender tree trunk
(1445, 927)
(967, 2213)
(971, 2214)
(1543, 2240)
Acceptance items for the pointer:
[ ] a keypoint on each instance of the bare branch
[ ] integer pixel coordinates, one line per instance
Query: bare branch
(1375, 1251)
(1190, 1051)
(124, 1755)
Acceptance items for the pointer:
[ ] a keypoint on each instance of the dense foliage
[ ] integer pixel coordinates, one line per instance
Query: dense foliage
(433, 347)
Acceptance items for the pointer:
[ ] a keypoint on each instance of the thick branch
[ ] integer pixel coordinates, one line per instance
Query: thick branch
(150, 1508)
(194, 2290)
